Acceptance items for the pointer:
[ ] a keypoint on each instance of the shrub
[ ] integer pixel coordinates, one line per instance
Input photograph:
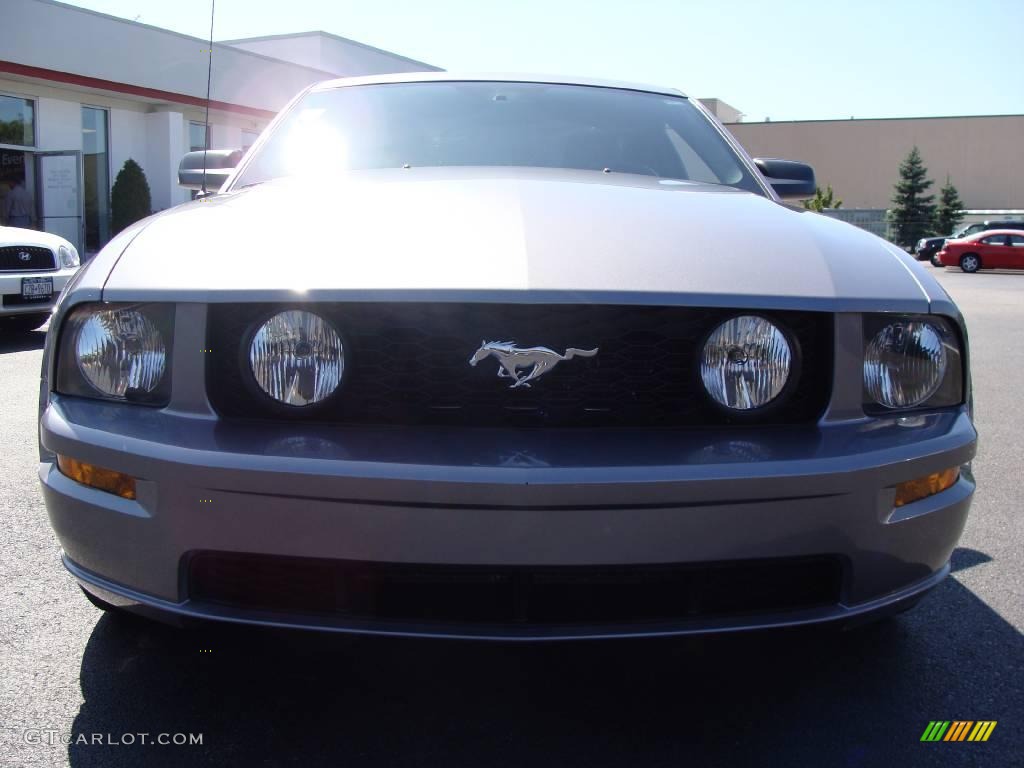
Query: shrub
(129, 198)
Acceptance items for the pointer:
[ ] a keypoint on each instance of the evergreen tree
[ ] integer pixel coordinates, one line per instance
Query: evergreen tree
(822, 200)
(949, 214)
(129, 198)
(913, 213)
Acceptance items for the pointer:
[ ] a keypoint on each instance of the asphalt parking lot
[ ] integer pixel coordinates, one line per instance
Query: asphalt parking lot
(270, 699)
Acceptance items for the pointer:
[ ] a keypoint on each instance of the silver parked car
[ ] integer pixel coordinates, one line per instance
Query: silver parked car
(504, 358)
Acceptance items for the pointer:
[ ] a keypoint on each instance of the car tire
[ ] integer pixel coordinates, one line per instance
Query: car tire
(103, 605)
(935, 261)
(970, 263)
(24, 323)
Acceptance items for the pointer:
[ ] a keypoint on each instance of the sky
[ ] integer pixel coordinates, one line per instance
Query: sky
(778, 59)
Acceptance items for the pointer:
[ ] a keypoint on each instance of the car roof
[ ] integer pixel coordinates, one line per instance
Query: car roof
(435, 77)
(987, 232)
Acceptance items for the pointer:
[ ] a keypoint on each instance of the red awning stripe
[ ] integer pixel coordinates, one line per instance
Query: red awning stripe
(54, 75)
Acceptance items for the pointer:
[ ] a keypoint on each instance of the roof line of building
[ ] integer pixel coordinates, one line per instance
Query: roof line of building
(85, 81)
(873, 119)
(163, 30)
(322, 33)
(121, 20)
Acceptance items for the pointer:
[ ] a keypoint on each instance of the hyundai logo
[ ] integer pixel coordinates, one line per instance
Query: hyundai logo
(25, 256)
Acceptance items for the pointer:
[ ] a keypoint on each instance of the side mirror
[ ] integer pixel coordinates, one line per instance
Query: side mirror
(788, 178)
(219, 165)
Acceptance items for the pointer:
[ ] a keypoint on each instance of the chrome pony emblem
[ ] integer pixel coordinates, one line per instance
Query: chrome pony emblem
(25, 256)
(511, 358)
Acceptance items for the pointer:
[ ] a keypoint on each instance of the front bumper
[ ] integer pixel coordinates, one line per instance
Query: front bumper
(10, 291)
(527, 498)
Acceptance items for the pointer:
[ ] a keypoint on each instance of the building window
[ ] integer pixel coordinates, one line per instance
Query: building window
(248, 139)
(95, 177)
(17, 121)
(197, 137)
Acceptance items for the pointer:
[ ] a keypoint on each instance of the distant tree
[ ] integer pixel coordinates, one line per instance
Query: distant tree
(822, 200)
(913, 213)
(129, 198)
(14, 132)
(950, 212)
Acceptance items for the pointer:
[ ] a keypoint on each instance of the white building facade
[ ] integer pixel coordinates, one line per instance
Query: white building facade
(82, 92)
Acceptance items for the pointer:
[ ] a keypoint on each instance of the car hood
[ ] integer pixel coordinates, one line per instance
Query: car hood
(20, 236)
(517, 234)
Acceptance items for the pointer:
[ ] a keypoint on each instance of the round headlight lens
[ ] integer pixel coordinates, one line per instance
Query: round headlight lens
(904, 364)
(746, 362)
(121, 351)
(297, 358)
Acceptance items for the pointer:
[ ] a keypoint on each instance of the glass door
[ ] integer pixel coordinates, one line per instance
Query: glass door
(59, 194)
(17, 141)
(96, 177)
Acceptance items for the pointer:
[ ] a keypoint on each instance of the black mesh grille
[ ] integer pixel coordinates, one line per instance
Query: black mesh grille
(12, 258)
(408, 363)
(512, 595)
(17, 300)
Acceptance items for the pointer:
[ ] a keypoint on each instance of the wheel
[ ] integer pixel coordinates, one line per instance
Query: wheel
(935, 261)
(24, 323)
(103, 605)
(970, 263)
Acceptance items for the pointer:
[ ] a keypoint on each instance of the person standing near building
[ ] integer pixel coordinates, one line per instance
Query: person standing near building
(18, 206)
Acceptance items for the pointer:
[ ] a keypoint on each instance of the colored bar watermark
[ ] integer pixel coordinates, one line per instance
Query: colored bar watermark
(959, 730)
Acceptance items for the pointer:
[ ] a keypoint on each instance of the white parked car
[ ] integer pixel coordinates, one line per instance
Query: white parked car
(34, 268)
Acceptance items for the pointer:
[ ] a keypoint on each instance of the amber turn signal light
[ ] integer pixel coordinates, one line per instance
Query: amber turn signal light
(97, 477)
(929, 485)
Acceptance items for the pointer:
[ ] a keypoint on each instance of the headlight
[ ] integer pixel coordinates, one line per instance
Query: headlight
(297, 358)
(117, 352)
(911, 362)
(68, 256)
(746, 362)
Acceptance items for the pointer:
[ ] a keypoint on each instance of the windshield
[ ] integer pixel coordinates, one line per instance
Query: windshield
(970, 230)
(497, 124)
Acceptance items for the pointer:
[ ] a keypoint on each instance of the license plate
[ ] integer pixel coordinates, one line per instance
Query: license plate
(36, 288)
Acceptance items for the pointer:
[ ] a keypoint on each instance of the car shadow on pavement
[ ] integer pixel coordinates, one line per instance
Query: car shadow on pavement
(986, 272)
(788, 698)
(21, 342)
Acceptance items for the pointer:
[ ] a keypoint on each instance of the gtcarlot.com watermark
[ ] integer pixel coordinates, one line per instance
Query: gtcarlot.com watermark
(52, 737)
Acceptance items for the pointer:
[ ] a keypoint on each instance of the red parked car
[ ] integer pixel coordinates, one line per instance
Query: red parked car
(995, 249)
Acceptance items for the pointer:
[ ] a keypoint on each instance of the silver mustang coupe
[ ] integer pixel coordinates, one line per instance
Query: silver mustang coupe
(507, 358)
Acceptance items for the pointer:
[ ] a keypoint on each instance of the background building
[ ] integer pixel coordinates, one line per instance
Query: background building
(982, 156)
(81, 92)
(724, 112)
